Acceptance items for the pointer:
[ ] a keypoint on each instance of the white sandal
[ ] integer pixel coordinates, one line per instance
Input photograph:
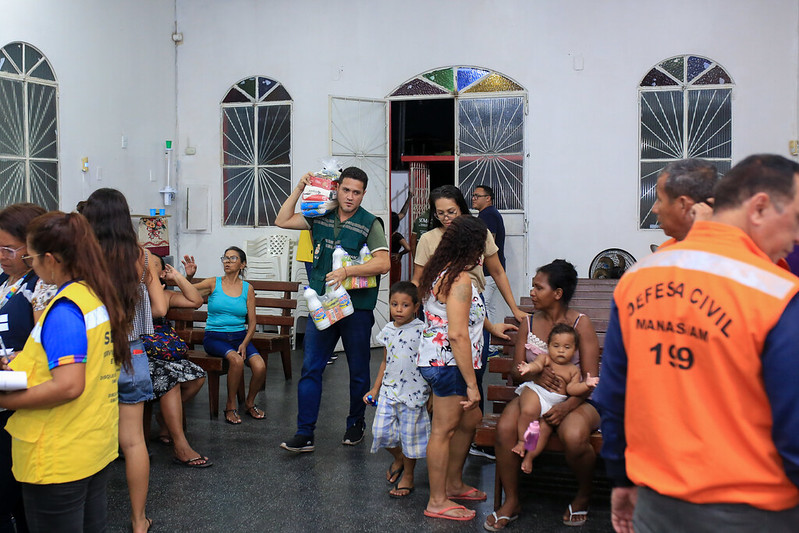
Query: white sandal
(490, 527)
(572, 514)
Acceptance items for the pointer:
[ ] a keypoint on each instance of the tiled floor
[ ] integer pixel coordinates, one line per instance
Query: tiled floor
(256, 486)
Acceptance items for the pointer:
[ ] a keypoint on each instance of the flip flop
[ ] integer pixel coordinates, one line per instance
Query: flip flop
(571, 521)
(494, 527)
(165, 440)
(255, 412)
(235, 412)
(190, 463)
(467, 496)
(441, 514)
(400, 496)
(391, 473)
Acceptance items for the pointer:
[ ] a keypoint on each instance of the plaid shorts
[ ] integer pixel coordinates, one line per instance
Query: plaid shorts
(396, 424)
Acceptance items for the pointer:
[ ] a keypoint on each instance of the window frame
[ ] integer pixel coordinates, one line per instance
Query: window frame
(686, 88)
(255, 103)
(24, 77)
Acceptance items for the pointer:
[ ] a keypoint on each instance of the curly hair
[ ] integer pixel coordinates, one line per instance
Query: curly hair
(461, 248)
(109, 215)
(69, 237)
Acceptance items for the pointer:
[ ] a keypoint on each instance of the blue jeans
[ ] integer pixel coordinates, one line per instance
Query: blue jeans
(356, 332)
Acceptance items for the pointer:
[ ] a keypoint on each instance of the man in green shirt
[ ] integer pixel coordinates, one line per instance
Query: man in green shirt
(350, 226)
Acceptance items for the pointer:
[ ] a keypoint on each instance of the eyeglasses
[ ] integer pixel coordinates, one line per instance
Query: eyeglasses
(28, 259)
(229, 258)
(8, 252)
(452, 213)
(475, 195)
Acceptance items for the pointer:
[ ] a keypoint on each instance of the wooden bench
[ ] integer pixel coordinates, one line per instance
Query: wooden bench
(592, 297)
(190, 325)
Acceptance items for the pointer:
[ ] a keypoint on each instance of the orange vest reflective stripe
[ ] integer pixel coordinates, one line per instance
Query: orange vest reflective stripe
(694, 318)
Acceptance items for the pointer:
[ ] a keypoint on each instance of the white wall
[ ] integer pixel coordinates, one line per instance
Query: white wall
(582, 127)
(114, 62)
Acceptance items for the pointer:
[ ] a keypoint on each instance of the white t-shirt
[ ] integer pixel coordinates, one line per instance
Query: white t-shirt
(402, 381)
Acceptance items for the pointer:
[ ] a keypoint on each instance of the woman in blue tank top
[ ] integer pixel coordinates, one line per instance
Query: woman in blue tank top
(229, 330)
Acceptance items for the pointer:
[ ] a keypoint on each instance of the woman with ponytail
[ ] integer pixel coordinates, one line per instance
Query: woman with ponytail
(135, 278)
(65, 424)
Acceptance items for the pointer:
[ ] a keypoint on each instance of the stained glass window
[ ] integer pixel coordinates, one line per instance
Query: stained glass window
(28, 127)
(256, 151)
(681, 119)
(455, 80)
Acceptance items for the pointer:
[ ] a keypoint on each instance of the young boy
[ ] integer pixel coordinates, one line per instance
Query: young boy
(401, 425)
(535, 400)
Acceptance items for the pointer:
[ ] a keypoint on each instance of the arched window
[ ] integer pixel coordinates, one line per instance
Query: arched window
(28, 127)
(256, 151)
(489, 123)
(686, 111)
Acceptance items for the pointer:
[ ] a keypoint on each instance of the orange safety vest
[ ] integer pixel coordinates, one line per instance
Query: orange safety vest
(694, 318)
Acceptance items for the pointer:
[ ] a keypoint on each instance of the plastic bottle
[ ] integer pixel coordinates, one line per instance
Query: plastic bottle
(365, 254)
(338, 257)
(316, 309)
(531, 435)
(343, 301)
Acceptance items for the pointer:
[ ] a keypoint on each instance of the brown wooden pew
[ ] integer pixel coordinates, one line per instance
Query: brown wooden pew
(190, 325)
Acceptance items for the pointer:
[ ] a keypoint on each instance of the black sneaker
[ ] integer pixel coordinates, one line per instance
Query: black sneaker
(482, 451)
(354, 434)
(298, 444)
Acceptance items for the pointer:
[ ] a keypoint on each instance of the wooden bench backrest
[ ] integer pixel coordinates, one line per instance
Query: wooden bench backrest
(185, 319)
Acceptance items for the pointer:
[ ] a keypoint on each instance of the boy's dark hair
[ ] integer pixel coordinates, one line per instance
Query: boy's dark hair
(559, 329)
(405, 287)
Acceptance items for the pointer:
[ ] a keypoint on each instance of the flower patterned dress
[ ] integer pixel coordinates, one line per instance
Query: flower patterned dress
(434, 349)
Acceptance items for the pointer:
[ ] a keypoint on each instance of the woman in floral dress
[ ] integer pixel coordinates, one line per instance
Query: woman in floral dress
(449, 354)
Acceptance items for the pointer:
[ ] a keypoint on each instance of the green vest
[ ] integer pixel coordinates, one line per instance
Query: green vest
(351, 236)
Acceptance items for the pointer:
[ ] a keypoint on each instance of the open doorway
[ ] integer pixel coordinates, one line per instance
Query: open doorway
(423, 157)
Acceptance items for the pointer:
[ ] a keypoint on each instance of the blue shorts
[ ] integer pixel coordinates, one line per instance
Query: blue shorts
(219, 343)
(135, 386)
(444, 380)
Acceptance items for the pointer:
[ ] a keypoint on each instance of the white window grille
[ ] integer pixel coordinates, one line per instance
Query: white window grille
(256, 151)
(28, 127)
(685, 111)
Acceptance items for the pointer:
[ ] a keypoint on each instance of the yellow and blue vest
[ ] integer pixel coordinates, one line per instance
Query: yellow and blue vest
(77, 439)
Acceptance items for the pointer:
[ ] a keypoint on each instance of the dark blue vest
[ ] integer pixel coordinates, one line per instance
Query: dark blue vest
(17, 314)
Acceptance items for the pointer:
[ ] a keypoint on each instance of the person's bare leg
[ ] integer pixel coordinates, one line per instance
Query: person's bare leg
(458, 450)
(189, 389)
(507, 462)
(447, 413)
(406, 483)
(575, 431)
(172, 410)
(530, 410)
(235, 374)
(396, 465)
(258, 368)
(137, 462)
(545, 431)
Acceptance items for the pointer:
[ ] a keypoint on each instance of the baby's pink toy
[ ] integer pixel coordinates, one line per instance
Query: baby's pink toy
(531, 436)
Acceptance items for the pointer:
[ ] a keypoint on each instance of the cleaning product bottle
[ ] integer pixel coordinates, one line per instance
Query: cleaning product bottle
(343, 301)
(316, 309)
(338, 257)
(365, 254)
